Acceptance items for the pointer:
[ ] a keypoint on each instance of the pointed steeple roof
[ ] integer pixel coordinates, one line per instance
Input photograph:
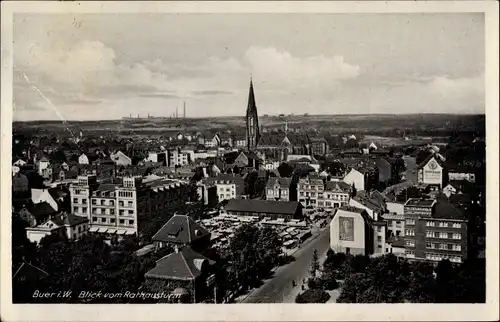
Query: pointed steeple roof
(251, 99)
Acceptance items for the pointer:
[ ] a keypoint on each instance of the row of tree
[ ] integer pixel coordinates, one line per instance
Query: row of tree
(389, 279)
(252, 253)
(86, 265)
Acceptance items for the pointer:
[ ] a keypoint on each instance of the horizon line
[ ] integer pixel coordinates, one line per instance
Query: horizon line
(242, 116)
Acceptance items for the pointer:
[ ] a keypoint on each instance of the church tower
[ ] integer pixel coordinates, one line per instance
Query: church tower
(252, 121)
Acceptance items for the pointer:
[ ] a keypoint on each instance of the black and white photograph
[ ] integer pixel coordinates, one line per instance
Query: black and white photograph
(234, 157)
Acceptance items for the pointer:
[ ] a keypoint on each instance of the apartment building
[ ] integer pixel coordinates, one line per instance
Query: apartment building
(435, 231)
(395, 224)
(335, 195)
(119, 208)
(309, 190)
(229, 186)
(279, 189)
(178, 158)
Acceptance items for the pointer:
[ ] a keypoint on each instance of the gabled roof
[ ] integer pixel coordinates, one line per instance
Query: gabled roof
(282, 182)
(186, 264)
(431, 156)
(180, 229)
(41, 209)
(337, 186)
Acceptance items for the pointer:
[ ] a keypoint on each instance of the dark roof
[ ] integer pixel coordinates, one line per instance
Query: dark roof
(41, 209)
(446, 210)
(337, 186)
(57, 193)
(263, 206)
(282, 182)
(66, 219)
(351, 209)
(180, 229)
(185, 264)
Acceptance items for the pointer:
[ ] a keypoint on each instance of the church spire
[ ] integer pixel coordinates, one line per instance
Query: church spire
(252, 120)
(251, 99)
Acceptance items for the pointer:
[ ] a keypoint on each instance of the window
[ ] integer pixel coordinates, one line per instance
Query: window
(409, 222)
(443, 235)
(457, 236)
(428, 245)
(84, 209)
(429, 234)
(443, 246)
(130, 212)
(410, 243)
(122, 212)
(410, 254)
(379, 239)
(120, 203)
(94, 219)
(130, 222)
(112, 220)
(130, 203)
(379, 229)
(103, 202)
(410, 232)
(111, 211)
(430, 223)
(111, 202)
(103, 220)
(84, 201)
(457, 225)
(436, 234)
(122, 221)
(79, 229)
(457, 247)
(94, 202)
(75, 209)
(75, 200)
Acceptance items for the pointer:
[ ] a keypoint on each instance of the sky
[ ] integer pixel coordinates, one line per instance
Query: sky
(106, 66)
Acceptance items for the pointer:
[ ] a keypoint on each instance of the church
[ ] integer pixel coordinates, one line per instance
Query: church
(252, 121)
(277, 144)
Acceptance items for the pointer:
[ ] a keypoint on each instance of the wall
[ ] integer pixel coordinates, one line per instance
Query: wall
(36, 236)
(357, 178)
(396, 207)
(358, 244)
(432, 176)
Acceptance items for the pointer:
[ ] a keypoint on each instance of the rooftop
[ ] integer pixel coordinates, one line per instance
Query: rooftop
(180, 229)
(416, 202)
(263, 206)
(185, 264)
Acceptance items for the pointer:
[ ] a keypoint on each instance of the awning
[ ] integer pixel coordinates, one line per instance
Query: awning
(100, 230)
(111, 231)
(121, 231)
(130, 232)
(93, 229)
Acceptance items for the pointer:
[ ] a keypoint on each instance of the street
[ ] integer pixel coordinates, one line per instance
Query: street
(279, 289)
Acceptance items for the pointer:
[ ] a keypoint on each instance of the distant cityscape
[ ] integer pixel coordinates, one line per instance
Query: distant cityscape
(298, 209)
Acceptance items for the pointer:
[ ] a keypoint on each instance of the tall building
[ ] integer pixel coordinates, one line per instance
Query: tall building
(435, 230)
(121, 208)
(252, 121)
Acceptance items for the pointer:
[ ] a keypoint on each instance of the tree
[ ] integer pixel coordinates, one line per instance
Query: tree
(285, 170)
(312, 296)
(313, 268)
(422, 285)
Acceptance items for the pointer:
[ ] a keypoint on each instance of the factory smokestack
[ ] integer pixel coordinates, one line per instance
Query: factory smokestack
(184, 109)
